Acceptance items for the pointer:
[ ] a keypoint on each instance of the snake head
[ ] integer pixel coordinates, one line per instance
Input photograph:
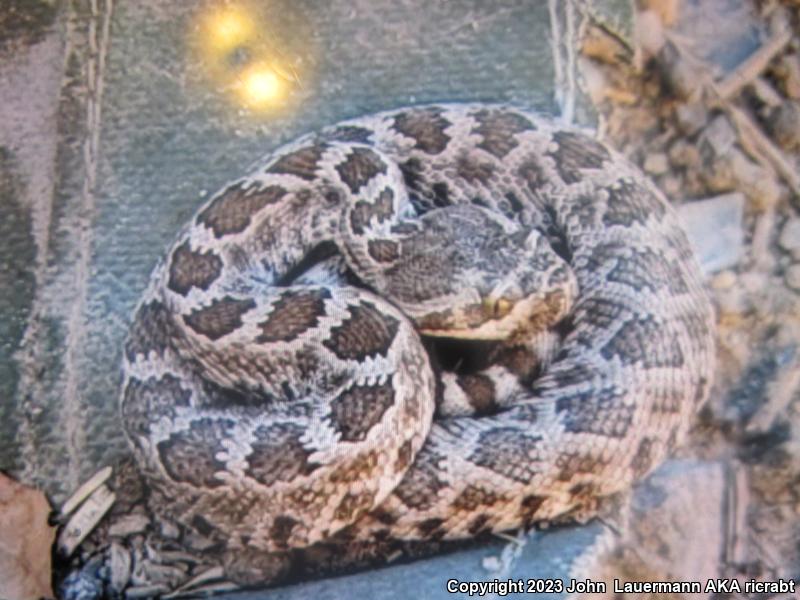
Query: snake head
(470, 273)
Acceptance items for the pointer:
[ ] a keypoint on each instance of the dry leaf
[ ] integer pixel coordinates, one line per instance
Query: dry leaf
(25, 542)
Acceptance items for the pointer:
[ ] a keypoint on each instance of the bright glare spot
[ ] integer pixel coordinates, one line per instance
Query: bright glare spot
(261, 86)
(241, 56)
(229, 28)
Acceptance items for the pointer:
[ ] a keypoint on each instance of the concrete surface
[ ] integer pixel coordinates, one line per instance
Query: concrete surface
(113, 132)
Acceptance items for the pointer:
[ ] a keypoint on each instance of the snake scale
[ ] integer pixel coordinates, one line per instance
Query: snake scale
(276, 390)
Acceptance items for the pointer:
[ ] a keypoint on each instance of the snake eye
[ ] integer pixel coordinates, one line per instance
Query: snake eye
(499, 307)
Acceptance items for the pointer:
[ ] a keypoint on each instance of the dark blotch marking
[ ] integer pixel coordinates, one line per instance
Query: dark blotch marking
(360, 166)
(404, 457)
(405, 228)
(302, 163)
(357, 469)
(479, 525)
(640, 269)
(700, 392)
(384, 516)
(146, 401)
(348, 133)
(281, 530)
(575, 152)
(556, 235)
(426, 127)
(643, 459)
(629, 203)
(598, 313)
(498, 128)
(473, 497)
(318, 254)
(583, 211)
(294, 313)
(353, 505)
(601, 412)
(514, 202)
(572, 464)
(412, 173)
(217, 397)
(358, 409)
(668, 400)
(568, 374)
(202, 526)
(473, 170)
(480, 391)
(565, 326)
(278, 454)
(366, 332)
(190, 456)
(441, 194)
(585, 493)
(190, 269)
(509, 452)
(428, 528)
(529, 506)
(383, 251)
(232, 211)
(521, 361)
(532, 174)
(220, 318)
(644, 341)
(421, 485)
(151, 331)
(363, 211)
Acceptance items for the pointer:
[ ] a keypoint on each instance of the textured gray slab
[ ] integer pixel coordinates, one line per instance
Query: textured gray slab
(114, 134)
(548, 557)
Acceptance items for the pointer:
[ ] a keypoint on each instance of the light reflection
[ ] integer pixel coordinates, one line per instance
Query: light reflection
(261, 86)
(240, 55)
(228, 28)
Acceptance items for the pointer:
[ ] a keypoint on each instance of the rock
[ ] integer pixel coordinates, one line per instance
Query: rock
(792, 277)
(754, 282)
(732, 301)
(684, 154)
(719, 137)
(724, 280)
(735, 170)
(691, 117)
(169, 530)
(785, 126)
(127, 525)
(120, 567)
(788, 69)
(714, 227)
(656, 163)
(766, 93)
(679, 74)
(757, 182)
(649, 33)
(672, 186)
(789, 238)
(681, 501)
(668, 11)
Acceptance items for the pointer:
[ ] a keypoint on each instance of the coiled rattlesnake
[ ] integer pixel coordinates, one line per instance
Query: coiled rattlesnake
(275, 403)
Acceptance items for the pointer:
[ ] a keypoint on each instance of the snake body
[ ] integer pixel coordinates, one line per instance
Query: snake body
(276, 391)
